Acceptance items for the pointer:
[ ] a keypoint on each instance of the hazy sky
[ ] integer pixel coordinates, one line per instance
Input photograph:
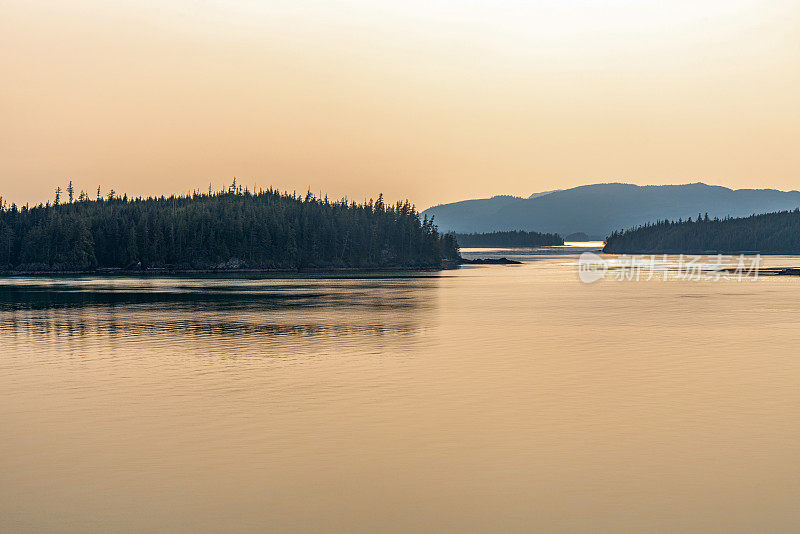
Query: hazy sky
(433, 100)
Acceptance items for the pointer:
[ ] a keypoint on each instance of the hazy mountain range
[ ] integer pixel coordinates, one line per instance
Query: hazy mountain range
(599, 209)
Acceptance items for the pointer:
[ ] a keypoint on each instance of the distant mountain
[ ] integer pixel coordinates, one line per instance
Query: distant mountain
(600, 209)
(543, 193)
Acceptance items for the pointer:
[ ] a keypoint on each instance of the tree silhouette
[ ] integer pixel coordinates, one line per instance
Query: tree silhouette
(265, 230)
(774, 233)
(515, 238)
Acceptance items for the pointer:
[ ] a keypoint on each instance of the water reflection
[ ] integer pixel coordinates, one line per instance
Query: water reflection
(498, 398)
(288, 308)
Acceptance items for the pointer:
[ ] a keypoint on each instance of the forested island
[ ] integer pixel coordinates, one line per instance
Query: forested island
(516, 238)
(769, 233)
(226, 230)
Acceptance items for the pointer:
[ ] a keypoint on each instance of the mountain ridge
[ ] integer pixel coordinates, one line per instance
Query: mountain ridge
(599, 209)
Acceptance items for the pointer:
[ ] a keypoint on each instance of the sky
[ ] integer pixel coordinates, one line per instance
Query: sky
(430, 100)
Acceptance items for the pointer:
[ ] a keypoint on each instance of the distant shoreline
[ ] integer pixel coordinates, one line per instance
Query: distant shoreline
(309, 270)
(156, 272)
(645, 252)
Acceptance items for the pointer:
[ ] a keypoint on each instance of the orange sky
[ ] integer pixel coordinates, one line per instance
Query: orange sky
(433, 100)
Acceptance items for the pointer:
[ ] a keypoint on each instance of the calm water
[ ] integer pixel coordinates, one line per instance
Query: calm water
(487, 399)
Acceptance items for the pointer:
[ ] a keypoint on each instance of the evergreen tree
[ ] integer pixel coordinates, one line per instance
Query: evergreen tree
(515, 238)
(772, 233)
(265, 230)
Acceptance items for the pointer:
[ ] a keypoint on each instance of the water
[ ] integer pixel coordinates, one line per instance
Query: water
(486, 399)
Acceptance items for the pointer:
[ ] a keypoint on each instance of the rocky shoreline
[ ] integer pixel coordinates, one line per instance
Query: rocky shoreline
(490, 261)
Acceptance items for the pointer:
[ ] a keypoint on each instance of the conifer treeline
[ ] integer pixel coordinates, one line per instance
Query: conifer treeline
(228, 229)
(515, 238)
(769, 233)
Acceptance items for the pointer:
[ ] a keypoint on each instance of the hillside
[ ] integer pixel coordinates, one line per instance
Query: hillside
(600, 209)
(234, 229)
(770, 233)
